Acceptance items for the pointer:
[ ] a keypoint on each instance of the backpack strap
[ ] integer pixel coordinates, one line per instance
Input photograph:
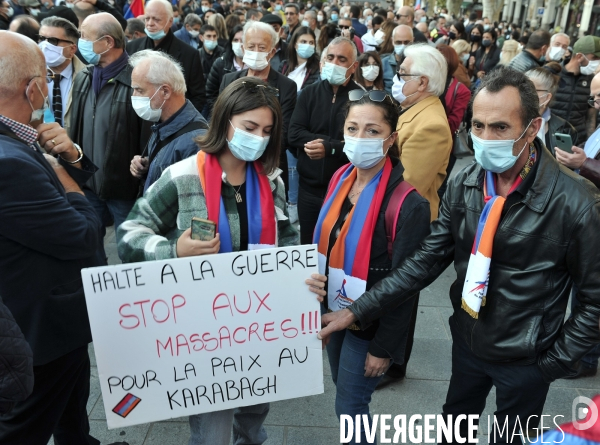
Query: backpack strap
(392, 212)
(191, 126)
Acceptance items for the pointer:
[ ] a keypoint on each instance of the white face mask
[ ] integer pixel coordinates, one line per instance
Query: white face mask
(370, 72)
(334, 74)
(53, 54)
(256, 60)
(193, 33)
(237, 49)
(305, 23)
(141, 105)
(398, 89)
(556, 53)
(320, 18)
(364, 153)
(590, 68)
(379, 36)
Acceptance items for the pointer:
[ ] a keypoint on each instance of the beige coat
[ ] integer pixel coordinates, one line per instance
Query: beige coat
(425, 143)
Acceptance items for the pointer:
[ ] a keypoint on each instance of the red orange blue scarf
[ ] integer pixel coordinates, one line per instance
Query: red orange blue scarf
(478, 271)
(259, 201)
(349, 257)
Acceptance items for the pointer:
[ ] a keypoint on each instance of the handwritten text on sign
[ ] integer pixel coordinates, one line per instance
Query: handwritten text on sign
(193, 335)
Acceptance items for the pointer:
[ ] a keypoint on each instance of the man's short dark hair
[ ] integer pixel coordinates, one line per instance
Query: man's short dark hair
(206, 28)
(135, 25)
(58, 22)
(27, 26)
(538, 39)
(377, 20)
(473, 17)
(355, 11)
(266, 5)
(503, 77)
(381, 12)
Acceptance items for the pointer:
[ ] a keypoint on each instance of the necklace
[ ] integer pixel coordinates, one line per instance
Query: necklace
(352, 195)
(238, 197)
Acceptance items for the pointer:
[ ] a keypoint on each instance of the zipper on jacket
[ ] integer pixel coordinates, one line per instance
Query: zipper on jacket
(333, 100)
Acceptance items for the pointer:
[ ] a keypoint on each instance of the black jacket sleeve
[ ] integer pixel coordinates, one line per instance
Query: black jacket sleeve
(418, 271)
(196, 92)
(213, 83)
(287, 100)
(411, 229)
(106, 7)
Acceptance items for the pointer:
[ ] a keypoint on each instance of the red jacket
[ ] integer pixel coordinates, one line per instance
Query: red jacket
(457, 100)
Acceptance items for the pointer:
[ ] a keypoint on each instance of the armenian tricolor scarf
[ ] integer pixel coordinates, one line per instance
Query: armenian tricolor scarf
(349, 257)
(478, 271)
(259, 201)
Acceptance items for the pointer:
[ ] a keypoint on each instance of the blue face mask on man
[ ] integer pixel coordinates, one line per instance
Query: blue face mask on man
(158, 35)
(334, 74)
(496, 155)
(86, 48)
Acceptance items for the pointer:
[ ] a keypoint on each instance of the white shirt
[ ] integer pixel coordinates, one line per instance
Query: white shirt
(236, 65)
(65, 89)
(298, 75)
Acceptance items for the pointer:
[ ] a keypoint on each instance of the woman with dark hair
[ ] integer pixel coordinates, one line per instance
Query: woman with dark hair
(328, 33)
(233, 178)
(230, 61)
(370, 72)
(475, 38)
(488, 56)
(387, 47)
(301, 66)
(457, 32)
(302, 63)
(353, 218)
(321, 19)
(231, 21)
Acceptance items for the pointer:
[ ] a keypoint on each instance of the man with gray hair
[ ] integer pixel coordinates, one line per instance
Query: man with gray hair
(559, 43)
(259, 42)
(402, 36)
(190, 31)
(48, 233)
(159, 96)
(310, 20)
(159, 20)
(317, 133)
(103, 120)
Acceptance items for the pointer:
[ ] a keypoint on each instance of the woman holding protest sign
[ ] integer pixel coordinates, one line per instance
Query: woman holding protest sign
(233, 182)
(370, 222)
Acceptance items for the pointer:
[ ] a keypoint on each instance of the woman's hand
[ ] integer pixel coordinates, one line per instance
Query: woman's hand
(572, 160)
(480, 74)
(186, 246)
(375, 366)
(316, 284)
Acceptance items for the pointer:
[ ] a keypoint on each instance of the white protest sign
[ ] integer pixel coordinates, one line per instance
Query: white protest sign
(193, 335)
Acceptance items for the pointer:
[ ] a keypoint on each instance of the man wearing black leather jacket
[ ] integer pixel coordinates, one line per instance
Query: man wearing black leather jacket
(545, 242)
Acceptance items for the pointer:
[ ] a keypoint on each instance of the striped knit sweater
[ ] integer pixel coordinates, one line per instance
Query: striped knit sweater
(165, 211)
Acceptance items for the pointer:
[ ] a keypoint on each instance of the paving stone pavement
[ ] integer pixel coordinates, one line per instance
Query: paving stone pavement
(312, 420)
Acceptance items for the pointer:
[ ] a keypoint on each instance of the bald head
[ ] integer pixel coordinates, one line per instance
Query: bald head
(103, 24)
(25, 25)
(402, 35)
(422, 26)
(20, 61)
(407, 15)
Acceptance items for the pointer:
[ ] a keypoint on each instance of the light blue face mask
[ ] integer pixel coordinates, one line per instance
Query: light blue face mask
(399, 49)
(210, 44)
(305, 50)
(334, 17)
(247, 146)
(176, 20)
(158, 35)
(496, 155)
(86, 48)
(334, 74)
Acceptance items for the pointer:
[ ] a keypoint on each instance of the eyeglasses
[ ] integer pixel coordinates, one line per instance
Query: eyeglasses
(592, 101)
(252, 87)
(343, 27)
(400, 16)
(374, 95)
(53, 40)
(401, 75)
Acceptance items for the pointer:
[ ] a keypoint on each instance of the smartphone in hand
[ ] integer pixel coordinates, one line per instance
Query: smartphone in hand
(203, 229)
(564, 142)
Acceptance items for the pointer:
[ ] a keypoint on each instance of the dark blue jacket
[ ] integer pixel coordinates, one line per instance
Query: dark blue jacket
(46, 237)
(180, 148)
(359, 29)
(185, 37)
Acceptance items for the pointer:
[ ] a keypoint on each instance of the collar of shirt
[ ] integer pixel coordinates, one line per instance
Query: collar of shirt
(237, 66)
(68, 71)
(26, 133)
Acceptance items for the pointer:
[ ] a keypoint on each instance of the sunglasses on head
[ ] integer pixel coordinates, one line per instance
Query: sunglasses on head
(254, 88)
(374, 95)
